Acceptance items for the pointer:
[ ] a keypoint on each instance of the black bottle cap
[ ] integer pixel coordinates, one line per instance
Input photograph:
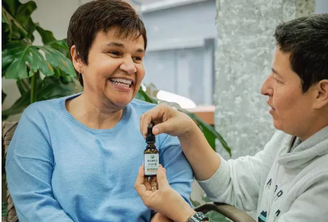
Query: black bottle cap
(150, 137)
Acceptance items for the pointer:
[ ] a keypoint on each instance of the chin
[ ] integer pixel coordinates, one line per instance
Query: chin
(121, 102)
(277, 125)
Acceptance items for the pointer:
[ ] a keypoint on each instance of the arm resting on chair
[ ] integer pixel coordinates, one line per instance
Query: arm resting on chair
(226, 210)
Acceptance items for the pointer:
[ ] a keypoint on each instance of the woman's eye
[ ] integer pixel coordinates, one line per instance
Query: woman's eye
(115, 53)
(277, 80)
(137, 59)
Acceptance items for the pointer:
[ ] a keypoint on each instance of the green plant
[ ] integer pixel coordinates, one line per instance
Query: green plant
(41, 71)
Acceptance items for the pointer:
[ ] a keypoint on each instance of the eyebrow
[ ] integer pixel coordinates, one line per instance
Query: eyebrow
(122, 46)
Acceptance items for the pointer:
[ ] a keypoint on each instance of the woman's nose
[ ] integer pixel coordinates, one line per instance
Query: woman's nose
(128, 66)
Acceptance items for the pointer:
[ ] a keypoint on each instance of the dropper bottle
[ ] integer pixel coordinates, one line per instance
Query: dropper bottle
(151, 153)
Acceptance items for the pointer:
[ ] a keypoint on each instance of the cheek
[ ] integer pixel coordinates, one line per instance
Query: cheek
(285, 104)
(140, 74)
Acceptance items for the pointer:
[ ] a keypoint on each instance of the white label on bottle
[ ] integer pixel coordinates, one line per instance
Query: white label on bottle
(151, 163)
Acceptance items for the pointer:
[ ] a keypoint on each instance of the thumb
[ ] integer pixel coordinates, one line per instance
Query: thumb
(139, 184)
(161, 128)
(161, 178)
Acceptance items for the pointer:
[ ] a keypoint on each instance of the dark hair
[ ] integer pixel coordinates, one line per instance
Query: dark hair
(101, 15)
(306, 38)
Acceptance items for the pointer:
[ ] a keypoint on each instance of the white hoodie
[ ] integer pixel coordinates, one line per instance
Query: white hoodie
(287, 181)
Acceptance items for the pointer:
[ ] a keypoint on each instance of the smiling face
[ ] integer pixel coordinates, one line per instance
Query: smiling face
(291, 109)
(115, 68)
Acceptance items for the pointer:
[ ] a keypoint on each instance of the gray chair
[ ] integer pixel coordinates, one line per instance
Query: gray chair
(226, 210)
(8, 129)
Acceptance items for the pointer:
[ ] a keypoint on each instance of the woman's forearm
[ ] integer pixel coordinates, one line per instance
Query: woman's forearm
(202, 158)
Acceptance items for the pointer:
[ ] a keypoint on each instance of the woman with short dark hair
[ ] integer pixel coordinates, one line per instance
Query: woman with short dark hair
(75, 158)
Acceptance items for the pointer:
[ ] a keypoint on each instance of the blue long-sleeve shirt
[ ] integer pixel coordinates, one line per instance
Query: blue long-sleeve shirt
(61, 170)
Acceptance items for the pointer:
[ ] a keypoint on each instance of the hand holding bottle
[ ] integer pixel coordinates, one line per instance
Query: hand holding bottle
(167, 120)
(202, 158)
(164, 200)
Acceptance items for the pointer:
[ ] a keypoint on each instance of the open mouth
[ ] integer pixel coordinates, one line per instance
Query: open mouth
(271, 106)
(126, 83)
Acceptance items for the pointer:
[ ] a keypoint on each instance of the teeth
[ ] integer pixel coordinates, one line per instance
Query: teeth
(122, 82)
(125, 81)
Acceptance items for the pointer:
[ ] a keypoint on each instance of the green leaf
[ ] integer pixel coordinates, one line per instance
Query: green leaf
(194, 203)
(4, 208)
(52, 87)
(214, 216)
(23, 86)
(209, 132)
(24, 12)
(143, 96)
(212, 135)
(7, 59)
(61, 46)
(11, 6)
(23, 16)
(6, 29)
(47, 36)
(48, 88)
(24, 62)
(15, 29)
(17, 107)
(205, 198)
(58, 60)
(63, 77)
(19, 55)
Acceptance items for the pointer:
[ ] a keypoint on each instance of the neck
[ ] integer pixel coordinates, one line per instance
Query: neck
(319, 122)
(93, 112)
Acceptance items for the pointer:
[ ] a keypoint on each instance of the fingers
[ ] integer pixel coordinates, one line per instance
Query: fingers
(140, 184)
(156, 115)
(147, 183)
(161, 179)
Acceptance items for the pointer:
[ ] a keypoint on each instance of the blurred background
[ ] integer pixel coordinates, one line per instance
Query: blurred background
(209, 56)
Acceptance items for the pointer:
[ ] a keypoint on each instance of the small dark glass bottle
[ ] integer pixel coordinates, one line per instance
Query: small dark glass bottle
(151, 153)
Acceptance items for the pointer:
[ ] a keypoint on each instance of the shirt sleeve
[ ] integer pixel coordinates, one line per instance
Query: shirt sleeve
(237, 182)
(179, 173)
(29, 168)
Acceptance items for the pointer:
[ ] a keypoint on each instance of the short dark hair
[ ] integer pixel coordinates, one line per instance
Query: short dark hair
(101, 15)
(306, 38)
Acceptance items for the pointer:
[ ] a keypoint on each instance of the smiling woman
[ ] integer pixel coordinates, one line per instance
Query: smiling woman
(81, 162)
(113, 74)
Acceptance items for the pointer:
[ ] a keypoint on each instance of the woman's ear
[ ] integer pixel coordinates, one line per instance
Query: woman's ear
(322, 94)
(76, 59)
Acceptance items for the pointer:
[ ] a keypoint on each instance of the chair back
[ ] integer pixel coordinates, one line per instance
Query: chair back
(8, 130)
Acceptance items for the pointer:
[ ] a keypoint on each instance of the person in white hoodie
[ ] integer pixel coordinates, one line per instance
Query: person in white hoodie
(288, 180)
